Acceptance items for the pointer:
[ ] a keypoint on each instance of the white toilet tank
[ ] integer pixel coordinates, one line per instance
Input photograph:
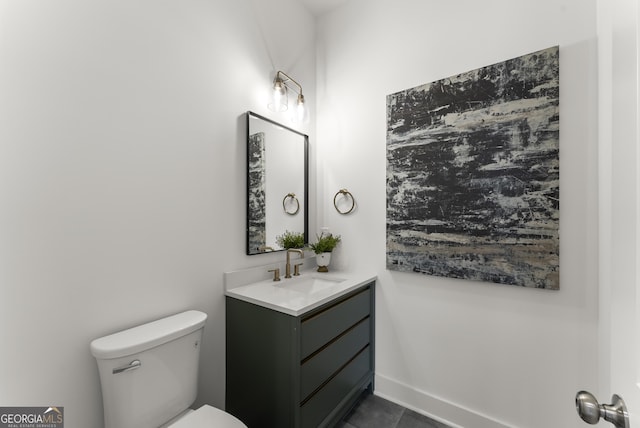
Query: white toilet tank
(149, 373)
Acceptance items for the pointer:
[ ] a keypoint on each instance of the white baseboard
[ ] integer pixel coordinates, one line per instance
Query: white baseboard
(433, 407)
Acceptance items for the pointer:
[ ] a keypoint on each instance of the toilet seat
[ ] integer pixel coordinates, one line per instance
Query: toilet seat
(208, 417)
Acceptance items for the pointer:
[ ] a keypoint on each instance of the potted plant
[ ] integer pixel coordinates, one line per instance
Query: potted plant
(290, 240)
(323, 248)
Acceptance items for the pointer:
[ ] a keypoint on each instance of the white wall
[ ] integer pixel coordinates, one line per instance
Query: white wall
(475, 354)
(122, 175)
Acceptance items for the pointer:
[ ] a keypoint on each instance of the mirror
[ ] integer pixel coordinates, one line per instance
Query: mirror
(277, 183)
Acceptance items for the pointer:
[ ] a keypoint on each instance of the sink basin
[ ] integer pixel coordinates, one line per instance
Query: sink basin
(309, 284)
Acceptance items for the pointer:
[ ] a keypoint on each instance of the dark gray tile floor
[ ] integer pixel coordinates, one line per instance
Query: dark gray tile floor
(376, 412)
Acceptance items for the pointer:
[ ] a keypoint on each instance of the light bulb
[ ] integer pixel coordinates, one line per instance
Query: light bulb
(301, 114)
(278, 101)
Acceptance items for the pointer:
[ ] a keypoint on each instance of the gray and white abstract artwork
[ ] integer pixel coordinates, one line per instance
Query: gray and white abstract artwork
(257, 192)
(473, 174)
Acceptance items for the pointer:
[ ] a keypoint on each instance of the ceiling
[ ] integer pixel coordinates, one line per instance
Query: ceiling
(319, 7)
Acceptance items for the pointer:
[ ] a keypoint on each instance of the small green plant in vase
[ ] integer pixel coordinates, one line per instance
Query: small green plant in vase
(323, 248)
(290, 240)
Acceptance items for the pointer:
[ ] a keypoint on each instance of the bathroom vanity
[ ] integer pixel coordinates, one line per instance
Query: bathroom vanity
(301, 362)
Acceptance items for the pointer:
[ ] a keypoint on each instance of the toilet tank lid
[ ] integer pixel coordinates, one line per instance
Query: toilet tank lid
(147, 336)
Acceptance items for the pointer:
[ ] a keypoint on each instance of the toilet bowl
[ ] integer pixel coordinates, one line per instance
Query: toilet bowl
(207, 416)
(149, 376)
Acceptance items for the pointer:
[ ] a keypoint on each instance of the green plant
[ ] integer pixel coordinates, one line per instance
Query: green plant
(325, 243)
(290, 240)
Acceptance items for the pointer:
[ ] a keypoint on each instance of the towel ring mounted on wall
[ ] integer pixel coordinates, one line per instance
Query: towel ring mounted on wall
(294, 199)
(346, 194)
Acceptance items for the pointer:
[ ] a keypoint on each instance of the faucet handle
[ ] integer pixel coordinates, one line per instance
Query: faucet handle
(276, 274)
(296, 269)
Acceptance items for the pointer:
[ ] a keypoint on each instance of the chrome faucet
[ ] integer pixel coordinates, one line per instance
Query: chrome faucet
(288, 266)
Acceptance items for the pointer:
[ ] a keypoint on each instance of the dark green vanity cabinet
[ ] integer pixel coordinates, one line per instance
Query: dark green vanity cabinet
(299, 372)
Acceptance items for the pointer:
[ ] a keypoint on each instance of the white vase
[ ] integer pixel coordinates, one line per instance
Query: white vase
(323, 260)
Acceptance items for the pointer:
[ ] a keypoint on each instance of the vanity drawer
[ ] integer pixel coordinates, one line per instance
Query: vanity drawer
(320, 367)
(318, 407)
(325, 325)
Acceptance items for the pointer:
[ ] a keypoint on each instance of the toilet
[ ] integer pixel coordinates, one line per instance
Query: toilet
(149, 376)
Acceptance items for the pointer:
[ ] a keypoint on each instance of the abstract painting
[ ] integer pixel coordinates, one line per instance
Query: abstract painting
(473, 174)
(257, 192)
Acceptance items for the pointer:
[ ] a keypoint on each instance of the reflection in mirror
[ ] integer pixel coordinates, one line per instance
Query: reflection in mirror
(277, 183)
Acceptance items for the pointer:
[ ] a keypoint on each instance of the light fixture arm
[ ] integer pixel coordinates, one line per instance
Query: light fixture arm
(288, 79)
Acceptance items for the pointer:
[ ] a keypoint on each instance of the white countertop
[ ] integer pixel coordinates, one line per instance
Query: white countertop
(297, 295)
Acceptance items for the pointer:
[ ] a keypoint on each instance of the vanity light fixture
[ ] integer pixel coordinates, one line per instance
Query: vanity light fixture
(279, 98)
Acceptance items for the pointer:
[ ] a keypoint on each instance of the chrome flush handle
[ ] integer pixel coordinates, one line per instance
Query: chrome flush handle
(135, 364)
(591, 412)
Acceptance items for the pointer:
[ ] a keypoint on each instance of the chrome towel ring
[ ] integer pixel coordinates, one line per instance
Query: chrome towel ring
(291, 201)
(346, 195)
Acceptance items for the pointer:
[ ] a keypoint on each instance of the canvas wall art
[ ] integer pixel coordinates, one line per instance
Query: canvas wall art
(473, 174)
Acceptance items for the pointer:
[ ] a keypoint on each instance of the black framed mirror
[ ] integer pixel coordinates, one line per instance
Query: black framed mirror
(277, 183)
